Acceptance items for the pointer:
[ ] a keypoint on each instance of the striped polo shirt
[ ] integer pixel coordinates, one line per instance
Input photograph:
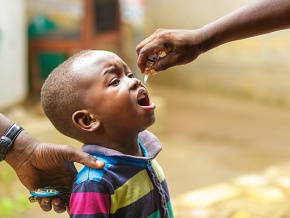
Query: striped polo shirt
(128, 186)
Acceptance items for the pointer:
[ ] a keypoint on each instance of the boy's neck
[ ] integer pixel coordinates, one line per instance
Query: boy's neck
(123, 143)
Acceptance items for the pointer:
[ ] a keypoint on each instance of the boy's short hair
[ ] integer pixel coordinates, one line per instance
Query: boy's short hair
(59, 98)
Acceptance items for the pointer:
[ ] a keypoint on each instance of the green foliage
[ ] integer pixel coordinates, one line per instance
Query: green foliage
(22, 202)
(7, 175)
(6, 207)
(12, 203)
(13, 207)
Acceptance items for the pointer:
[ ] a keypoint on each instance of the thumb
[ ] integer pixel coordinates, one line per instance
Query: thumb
(85, 159)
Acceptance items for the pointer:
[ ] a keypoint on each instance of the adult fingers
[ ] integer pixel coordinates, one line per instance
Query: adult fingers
(150, 49)
(165, 62)
(149, 39)
(45, 204)
(75, 155)
(58, 205)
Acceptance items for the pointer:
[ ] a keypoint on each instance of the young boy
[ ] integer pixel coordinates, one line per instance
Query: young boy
(94, 98)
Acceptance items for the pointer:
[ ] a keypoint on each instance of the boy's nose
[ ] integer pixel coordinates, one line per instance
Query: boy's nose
(135, 83)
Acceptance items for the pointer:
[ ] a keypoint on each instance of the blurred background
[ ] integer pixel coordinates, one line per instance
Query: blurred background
(223, 120)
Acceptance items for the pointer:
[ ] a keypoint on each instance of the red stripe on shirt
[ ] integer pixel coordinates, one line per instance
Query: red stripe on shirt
(89, 203)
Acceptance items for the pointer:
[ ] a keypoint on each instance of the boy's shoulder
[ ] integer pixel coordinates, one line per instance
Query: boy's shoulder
(90, 174)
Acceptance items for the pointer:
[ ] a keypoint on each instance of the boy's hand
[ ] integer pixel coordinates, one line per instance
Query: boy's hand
(39, 164)
(180, 46)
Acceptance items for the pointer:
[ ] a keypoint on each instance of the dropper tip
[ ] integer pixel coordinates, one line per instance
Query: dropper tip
(146, 78)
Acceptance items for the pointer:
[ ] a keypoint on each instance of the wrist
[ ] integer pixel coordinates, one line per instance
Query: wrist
(7, 140)
(21, 150)
(209, 38)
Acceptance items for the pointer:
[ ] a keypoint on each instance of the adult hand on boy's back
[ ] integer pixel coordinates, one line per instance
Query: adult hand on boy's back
(39, 164)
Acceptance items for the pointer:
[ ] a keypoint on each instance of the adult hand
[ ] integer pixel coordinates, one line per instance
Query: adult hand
(184, 46)
(39, 164)
(180, 46)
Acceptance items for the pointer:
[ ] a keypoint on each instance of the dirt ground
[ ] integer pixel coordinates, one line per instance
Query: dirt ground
(211, 138)
(207, 138)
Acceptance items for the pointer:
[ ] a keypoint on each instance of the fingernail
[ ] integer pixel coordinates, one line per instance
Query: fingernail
(152, 72)
(99, 162)
(56, 203)
(147, 72)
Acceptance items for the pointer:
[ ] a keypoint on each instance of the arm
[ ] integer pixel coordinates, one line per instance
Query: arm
(256, 18)
(38, 164)
(184, 46)
(91, 199)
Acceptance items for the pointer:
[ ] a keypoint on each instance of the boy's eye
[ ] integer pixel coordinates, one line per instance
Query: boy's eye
(115, 81)
(131, 75)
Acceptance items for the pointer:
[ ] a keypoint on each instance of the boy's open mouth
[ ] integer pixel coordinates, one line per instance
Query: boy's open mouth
(143, 98)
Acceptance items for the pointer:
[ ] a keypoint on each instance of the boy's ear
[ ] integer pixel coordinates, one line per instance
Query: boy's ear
(85, 121)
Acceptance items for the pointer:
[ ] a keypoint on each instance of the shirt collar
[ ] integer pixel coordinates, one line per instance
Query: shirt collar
(149, 141)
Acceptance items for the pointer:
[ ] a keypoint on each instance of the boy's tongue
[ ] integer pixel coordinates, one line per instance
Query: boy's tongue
(143, 99)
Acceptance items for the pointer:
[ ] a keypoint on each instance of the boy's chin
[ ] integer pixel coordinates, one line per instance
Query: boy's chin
(151, 123)
(148, 123)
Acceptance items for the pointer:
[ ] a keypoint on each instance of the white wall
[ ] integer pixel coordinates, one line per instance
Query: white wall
(13, 55)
